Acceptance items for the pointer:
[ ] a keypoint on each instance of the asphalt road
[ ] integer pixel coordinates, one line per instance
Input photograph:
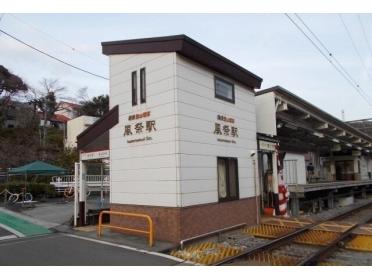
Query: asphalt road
(64, 250)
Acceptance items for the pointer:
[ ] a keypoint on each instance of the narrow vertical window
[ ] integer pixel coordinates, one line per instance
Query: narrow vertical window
(228, 180)
(134, 88)
(222, 178)
(143, 85)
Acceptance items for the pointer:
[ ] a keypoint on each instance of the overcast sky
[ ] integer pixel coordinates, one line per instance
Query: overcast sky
(268, 45)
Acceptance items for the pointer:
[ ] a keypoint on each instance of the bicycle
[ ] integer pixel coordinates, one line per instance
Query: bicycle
(5, 192)
(26, 197)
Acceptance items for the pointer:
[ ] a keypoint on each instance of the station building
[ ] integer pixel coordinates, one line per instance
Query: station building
(193, 144)
(321, 156)
(181, 135)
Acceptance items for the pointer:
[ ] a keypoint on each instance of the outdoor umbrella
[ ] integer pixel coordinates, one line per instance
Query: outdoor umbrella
(37, 168)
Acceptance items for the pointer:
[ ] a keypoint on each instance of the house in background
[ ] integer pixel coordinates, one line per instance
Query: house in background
(75, 127)
(68, 109)
(17, 115)
(58, 121)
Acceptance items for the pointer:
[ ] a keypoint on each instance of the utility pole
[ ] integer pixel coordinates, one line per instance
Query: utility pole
(343, 115)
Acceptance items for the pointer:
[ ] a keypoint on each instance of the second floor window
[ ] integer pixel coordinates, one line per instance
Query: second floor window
(143, 85)
(134, 88)
(224, 90)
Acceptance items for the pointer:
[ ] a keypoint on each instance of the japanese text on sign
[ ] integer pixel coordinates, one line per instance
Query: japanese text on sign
(224, 129)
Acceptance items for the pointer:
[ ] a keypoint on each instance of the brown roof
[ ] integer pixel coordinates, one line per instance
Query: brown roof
(56, 117)
(72, 105)
(98, 128)
(189, 48)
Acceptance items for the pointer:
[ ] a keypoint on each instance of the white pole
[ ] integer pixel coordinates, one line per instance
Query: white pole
(76, 193)
(82, 192)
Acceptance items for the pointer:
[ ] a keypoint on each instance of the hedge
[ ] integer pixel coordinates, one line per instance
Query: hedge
(36, 189)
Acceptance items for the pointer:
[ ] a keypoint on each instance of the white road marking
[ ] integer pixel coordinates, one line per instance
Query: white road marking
(13, 231)
(128, 248)
(7, 237)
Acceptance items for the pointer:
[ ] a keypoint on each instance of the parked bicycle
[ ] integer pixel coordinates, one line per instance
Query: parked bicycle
(23, 196)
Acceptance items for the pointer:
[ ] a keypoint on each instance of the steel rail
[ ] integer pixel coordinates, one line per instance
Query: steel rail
(287, 238)
(325, 251)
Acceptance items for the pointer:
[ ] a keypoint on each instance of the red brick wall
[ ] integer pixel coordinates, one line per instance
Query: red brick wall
(201, 219)
(174, 224)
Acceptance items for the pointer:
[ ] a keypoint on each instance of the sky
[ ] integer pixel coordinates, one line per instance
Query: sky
(268, 45)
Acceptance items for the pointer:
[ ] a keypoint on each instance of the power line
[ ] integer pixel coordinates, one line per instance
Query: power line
(365, 35)
(52, 37)
(330, 54)
(356, 87)
(51, 56)
(355, 47)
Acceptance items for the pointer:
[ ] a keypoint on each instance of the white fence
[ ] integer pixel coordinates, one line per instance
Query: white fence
(93, 182)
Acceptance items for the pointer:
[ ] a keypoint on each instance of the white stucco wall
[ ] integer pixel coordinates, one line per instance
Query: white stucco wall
(77, 126)
(178, 167)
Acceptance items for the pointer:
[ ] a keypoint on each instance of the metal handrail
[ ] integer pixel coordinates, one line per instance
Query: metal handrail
(88, 178)
(150, 231)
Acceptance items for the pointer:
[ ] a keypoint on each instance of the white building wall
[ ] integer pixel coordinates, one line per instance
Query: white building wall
(198, 146)
(300, 167)
(77, 126)
(144, 173)
(266, 114)
(178, 167)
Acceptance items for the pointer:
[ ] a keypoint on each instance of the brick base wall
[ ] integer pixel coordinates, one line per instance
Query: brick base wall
(174, 223)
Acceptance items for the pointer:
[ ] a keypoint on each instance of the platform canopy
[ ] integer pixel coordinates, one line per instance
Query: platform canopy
(38, 167)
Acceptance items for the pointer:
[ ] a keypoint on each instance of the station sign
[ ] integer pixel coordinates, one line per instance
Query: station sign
(225, 126)
(139, 130)
(102, 154)
(266, 145)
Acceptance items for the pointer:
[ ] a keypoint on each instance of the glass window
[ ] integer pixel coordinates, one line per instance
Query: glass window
(228, 180)
(222, 181)
(143, 85)
(224, 90)
(134, 88)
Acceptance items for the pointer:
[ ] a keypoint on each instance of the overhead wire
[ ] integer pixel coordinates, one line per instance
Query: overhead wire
(330, 59)
(72, 48)
(355, 47)
(52, 57)
(330, 54)
(365, 35)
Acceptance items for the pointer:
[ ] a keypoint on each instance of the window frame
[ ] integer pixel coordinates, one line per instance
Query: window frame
(228, 161)
(134, 88)
(143, 85)
(232, 100)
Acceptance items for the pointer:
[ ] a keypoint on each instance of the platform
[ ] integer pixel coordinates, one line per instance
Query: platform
(312, 187)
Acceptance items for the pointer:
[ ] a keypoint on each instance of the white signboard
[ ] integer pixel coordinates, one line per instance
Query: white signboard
(266, 145)
(95, 155)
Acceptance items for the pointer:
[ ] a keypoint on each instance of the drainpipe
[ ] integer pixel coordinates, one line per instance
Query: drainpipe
(255, 186)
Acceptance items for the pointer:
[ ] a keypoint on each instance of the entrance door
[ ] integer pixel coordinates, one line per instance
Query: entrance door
(266, 181)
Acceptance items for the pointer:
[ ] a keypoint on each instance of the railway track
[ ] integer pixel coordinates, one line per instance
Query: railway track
(281, 242)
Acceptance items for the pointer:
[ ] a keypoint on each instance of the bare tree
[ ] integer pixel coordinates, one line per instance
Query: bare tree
(45, 100)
